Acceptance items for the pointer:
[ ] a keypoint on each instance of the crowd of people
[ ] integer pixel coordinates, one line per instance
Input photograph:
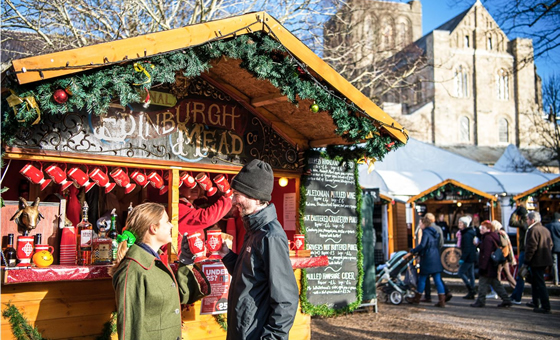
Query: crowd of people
(488, 245)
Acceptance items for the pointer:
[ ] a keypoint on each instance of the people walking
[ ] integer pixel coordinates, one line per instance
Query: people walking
(507, 250)
(428, 292)
(518, 219)
(487, 269)
(430, 263)
(538, 256)
(554, 228)
(468, 256)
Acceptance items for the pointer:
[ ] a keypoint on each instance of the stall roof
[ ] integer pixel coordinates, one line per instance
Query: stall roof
(301, 126)
(455, 183)
(418, 166)
(552, 183)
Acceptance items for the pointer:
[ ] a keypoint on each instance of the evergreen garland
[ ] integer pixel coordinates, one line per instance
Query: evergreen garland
(109, 328)
(324, 310)
(21, 329)
(260, 54)
(461, 192)
(221, 320)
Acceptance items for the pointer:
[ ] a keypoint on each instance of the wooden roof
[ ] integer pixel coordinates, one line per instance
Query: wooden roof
(522, 196)
(454, 182)
(301, 126)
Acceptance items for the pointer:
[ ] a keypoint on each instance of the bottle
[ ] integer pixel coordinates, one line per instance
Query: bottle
(102, 248)
(84, 238)
(38, 239)
(113, 233)
(10, 253)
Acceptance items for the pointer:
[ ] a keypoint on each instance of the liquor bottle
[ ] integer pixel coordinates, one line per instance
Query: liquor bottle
(113, 233)
(38, 239)
(10, 253)
(102, 248)
(84, 238)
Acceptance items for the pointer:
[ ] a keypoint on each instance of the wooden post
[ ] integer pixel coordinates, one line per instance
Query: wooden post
(390, 228)
(173, 210)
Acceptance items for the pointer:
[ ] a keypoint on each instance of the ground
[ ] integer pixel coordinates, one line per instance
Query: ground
(457, 321)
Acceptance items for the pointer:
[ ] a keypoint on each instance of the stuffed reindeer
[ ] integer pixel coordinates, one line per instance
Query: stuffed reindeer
(28, 216)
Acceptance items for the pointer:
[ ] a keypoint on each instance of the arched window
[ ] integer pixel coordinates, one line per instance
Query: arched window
(387, 35)
(503, 131)
(502, 84)
(402, 33)
(368, 33)
(467, 42)
(461, 82)
(489, 43)
(464, 129)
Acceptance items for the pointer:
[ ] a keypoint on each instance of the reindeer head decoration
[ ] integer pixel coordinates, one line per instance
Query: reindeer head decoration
(28, 216)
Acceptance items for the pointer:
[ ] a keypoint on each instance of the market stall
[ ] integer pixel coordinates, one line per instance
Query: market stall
(544, 198)
(449, 201)
(130, 121)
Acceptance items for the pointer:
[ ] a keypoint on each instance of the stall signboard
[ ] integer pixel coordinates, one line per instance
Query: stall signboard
(331, 229)
(205, 126)
(217, 301)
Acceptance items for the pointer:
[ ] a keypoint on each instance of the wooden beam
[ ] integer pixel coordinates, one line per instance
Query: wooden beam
(318, 143)
(268, 99)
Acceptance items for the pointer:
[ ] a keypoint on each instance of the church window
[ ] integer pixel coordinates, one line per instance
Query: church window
(489, 43)
(387, 35)
(461, 82)
(502, 84)
(368, 34)
(464, 129)
(503, 131)
(467, 45)
(402, 33)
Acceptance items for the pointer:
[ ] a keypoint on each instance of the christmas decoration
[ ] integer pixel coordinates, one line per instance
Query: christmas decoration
(314, 108)
(60, 96)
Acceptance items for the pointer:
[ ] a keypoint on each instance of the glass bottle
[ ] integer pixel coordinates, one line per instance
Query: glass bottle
(38, 239)
(113, 233)
(102, 248)
(10, 253)
(83, 238)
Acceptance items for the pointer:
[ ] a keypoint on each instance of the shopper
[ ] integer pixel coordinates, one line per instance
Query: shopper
(468, 256)
(263, 294)
(507, 250)
(554, 228)
(428, 292)
(518, 220)
(538, 256)
(430, 263)
(488, 271)
(148, 293)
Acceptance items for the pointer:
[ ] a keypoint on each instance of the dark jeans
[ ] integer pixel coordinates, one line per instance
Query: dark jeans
(466, 273)
(555, 267)
(484, 284)
(519, 282)
(428, 290)
(538, 288)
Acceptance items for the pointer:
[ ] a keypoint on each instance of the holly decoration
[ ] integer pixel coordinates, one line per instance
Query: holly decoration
(389, 145)
(60, 96)
(314, 108)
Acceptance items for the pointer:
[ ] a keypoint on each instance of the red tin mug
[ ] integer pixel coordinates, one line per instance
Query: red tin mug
(196, 245)
(25, 246)
(214, 243)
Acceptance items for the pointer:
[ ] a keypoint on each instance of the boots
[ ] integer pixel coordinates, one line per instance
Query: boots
(441, 302)
(448, 296)
(415, 300)
(426, 299)
(470, 295)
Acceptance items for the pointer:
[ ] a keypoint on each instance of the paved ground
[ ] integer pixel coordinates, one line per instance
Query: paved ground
(457, 321)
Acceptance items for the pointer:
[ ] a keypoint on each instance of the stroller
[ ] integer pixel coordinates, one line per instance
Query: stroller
(389, 279)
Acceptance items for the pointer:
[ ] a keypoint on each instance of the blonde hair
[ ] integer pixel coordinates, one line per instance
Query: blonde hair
(138, 223)
(431, 217)
(497, 225)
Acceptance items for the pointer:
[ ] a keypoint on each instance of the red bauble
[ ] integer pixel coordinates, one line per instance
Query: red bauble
(60, 96)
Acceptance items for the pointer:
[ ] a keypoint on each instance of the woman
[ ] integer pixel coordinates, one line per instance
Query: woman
(467, 235)
(507, 249)
(148, 294)
(488, 272)
(430, 264)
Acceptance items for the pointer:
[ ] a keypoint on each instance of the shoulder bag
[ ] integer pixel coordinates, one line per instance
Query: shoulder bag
(497, 255)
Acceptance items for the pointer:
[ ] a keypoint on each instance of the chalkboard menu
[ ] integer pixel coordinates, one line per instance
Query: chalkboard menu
(330, 222)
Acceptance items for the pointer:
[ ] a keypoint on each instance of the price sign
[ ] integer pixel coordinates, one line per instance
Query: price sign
(217, 301)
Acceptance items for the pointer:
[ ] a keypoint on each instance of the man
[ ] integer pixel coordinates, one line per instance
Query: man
(538, 256)
(192, 218)
(428, 292)
(518, 219)
(468, 255)
(263, 294)
(554, 228)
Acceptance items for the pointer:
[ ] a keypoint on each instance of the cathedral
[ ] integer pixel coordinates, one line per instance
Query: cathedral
(476, 91)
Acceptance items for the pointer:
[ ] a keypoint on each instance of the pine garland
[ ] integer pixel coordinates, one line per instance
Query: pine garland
(324, 310)
(221, 320)
(259, 53)
(109, 328)
(21, 329)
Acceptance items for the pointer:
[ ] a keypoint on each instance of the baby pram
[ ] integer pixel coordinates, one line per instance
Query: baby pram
(390, 279)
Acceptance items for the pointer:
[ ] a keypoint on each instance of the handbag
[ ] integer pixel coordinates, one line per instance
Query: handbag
(497, 255)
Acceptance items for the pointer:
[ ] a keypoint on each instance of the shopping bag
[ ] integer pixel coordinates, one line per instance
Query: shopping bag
(411, 276)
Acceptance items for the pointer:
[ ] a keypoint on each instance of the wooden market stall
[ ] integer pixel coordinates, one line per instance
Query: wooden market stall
(544, 198)
(451, 199)
(205, 98)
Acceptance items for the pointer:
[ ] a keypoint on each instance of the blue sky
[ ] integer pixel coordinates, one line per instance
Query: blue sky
(437, 12)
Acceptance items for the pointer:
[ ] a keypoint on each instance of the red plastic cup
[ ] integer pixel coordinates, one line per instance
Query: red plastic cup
(214, 243)
(196, 245)
(25, 246)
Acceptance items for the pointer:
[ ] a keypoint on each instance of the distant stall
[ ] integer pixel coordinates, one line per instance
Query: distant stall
(544, 198)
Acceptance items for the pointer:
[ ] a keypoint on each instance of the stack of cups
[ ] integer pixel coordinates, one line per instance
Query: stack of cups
(68, 246)
(223, 185)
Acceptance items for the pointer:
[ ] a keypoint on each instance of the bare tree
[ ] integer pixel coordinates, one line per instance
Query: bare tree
(62, 24)
(545, 131)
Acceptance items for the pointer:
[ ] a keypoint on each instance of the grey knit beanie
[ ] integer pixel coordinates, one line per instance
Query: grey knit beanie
(255, 180)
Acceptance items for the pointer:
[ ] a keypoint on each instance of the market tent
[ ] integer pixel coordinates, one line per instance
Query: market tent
(301, 126)
(552, 185)
(513, 161)
(466, 191)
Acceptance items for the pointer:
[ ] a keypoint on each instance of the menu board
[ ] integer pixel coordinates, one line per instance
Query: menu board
(330, 222)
